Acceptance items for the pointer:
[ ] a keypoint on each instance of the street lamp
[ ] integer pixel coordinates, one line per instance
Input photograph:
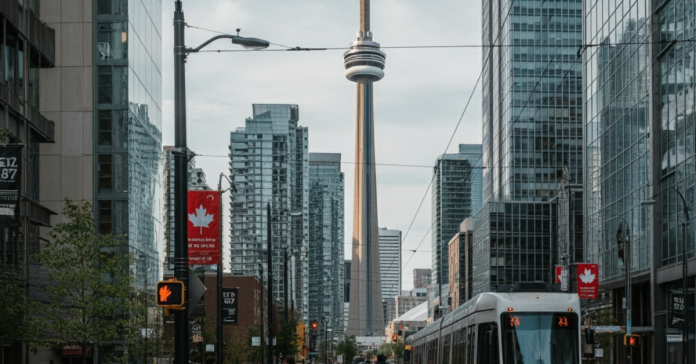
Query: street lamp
(685, 223)
(180, 167)
(625, 240)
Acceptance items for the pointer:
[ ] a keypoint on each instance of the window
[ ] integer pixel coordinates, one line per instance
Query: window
(112, 129)
(488, 343)
(112, 84)
(112, 41)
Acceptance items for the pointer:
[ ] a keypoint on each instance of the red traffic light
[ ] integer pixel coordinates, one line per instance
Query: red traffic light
(314, 325)
(170, 294)
(632, 340)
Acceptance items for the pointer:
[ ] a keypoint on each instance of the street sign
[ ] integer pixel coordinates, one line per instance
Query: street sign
(197, 333)
(229, 306)
(256, 341)
(674, 338)
(599, 353)
(210, 348)
(679, 307)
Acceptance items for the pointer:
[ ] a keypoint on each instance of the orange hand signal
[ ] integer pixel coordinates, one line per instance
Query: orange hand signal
(164, 293)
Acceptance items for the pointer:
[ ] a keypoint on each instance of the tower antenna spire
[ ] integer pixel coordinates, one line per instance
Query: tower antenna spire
(364, 17)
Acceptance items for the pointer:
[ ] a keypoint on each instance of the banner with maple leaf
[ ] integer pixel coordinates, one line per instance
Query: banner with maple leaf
(203, 227)
(588, 281)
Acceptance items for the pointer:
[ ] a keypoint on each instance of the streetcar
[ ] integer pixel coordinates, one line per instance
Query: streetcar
(504, 328)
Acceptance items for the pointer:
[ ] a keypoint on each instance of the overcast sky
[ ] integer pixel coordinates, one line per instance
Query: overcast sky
(417, 104)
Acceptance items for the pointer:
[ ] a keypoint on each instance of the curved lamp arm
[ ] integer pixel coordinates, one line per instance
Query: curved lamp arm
(252, 43)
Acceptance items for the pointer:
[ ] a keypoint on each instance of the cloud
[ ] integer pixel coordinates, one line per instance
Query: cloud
(417, 104)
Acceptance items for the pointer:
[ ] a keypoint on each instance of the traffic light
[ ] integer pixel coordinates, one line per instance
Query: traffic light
(170, 294)
(314, 325)
(620, 243)
(632, 340)
(395, 338)
(400, 332)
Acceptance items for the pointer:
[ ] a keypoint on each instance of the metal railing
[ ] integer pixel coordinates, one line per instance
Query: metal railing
(43, 38)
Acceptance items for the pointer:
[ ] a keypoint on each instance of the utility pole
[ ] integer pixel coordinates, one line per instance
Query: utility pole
(181, 325)
(269, 249)
(285, 283)
(261, 334)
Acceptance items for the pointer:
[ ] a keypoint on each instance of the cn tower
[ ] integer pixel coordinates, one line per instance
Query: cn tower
(364, 64)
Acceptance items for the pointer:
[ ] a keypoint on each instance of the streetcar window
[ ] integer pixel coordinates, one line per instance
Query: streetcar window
(545, 338)
(487, 347)
(446, 349)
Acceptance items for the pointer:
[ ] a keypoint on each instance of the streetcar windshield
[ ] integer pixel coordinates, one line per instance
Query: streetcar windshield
(540, 338)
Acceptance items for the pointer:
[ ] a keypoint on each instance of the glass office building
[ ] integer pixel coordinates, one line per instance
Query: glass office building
(453, 198)
(532, 131)
(639, 127)
(326, 229)
(128, 128)
(473, 153)
(269, 164)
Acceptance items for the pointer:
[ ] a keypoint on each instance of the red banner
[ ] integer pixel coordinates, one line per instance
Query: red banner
(203, 227)
(558, 273)
(588, 281)
(72, 350)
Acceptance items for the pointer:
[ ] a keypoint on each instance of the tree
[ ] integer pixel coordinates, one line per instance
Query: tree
(287, 339)
(17, 313)
(91, 286)
(348, 347)
(237, 347)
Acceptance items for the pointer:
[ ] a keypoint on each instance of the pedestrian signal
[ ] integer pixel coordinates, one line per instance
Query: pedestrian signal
(632, 340)
(170, 294)
(395, 338)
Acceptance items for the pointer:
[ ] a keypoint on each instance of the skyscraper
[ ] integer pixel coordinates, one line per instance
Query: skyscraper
(390, 270)
(364, 65)
(421, 277)
(640, 89)
(269, 164)
(532, 129)
(453, 199)
(390, 262)
(105, 94)
(473, 153)
(326, 225)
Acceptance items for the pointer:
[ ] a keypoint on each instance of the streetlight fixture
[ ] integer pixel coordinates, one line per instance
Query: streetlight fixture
(180, 167)
(624, 241)
(685, 286)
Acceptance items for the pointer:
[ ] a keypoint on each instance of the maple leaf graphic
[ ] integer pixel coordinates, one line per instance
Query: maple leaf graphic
(587, 277)
(201, 219)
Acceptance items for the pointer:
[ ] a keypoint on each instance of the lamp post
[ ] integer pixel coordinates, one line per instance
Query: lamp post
(624, 241)
(180, 167)
(685, 223)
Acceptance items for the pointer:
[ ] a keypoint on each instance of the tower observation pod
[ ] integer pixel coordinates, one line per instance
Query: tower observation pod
(364, 64)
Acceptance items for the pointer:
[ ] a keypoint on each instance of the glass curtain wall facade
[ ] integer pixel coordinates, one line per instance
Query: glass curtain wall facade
(532, 129)
(326, 229)
(452, 202)
(617, 133)
(128, 129)
(473, 153)
(390, 270)
(513, 242)
(269, 163)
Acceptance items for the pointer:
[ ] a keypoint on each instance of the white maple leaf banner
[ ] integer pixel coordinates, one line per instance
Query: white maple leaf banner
(200, 218)
(587, 277)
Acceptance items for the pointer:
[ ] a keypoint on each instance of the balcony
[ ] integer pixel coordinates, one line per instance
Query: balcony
(42, 126)
(10, 10)
(43, 38)
(38, 214)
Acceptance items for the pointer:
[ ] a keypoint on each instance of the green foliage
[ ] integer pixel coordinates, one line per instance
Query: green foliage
(91, 288)
(4, 135)
(237, 347)
(347, 347)
(18, 311)
(287, 340)
(391, 349)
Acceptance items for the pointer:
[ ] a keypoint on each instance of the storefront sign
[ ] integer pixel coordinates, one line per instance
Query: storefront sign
(229, 306)
(10, 182)
(588, 281)
(72, 350)
(197, 333)
(674, 338)
(203, 227)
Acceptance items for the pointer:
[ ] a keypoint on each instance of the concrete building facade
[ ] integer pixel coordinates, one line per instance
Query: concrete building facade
(421, 277)
(460, 263)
